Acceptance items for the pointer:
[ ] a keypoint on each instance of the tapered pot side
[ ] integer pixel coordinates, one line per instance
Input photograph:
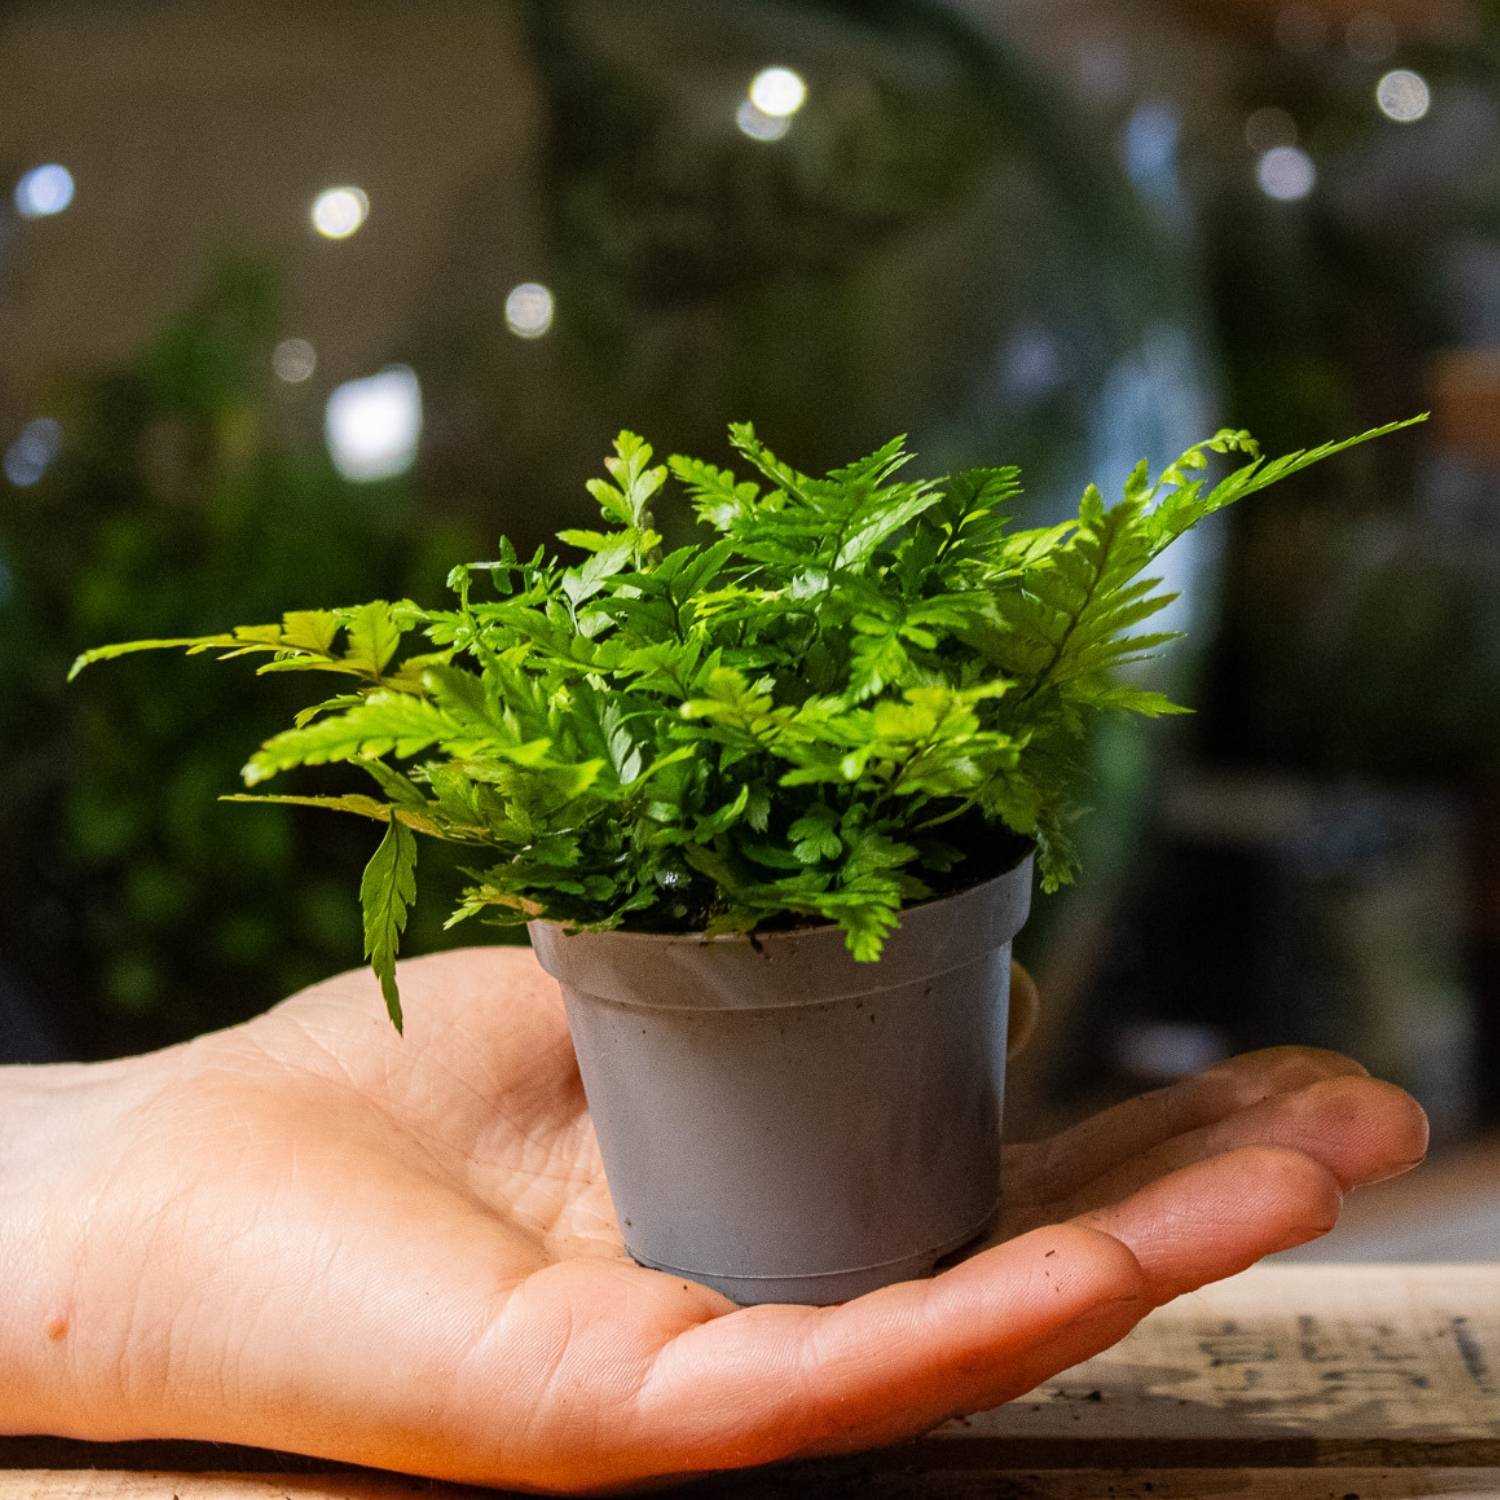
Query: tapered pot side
(783, 1123)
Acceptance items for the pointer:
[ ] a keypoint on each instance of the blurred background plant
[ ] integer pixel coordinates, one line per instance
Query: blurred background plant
(142, 908)
(484, 235)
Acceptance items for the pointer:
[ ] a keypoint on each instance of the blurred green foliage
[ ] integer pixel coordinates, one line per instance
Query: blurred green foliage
(135, 906)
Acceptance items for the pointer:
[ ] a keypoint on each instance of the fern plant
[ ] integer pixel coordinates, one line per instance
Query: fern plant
(861, 690)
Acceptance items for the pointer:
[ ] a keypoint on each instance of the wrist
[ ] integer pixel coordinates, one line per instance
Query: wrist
(53, 1122)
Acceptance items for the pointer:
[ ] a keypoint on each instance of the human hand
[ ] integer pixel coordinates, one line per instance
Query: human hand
(309, 1233)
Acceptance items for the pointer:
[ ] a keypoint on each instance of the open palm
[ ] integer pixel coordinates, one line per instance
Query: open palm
(309, 1233)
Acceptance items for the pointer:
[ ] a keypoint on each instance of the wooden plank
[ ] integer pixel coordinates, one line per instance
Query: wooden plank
(824, 1482)
(1296, 1365)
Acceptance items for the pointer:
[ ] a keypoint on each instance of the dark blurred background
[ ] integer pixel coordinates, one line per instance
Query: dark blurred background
(299, 305)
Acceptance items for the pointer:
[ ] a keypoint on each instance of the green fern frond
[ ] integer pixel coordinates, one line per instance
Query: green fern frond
(808, 716)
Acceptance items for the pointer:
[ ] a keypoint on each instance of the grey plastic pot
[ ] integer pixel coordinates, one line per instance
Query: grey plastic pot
(785, 1124)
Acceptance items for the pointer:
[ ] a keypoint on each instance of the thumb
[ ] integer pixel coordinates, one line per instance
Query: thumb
(770, 1382)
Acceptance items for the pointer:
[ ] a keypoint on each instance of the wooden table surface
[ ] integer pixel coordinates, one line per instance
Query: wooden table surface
(1375, 1382)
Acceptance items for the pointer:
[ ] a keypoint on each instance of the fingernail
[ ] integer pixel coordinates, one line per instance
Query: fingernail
(1398, 1170)
(1304, 1234)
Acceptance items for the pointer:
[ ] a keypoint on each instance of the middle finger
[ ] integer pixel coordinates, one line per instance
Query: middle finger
(1041, 1173)
(1360, 1129)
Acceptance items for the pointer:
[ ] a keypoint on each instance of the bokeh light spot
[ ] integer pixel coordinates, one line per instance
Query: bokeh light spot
(758, 125)
(35, 447)
(44, 191)
(1403, 96)
(778, 92)
(338, 212)
(294, 360)
(529, 309)
(1149, 144)
(1286, 173)
(373, 425)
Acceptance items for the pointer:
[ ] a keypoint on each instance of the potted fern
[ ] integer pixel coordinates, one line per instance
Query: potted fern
(770, 805)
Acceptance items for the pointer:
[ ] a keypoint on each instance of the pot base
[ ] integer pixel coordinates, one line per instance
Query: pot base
(824, 1288)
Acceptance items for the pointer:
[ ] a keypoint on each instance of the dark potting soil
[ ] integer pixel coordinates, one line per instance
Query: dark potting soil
(984, 850)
